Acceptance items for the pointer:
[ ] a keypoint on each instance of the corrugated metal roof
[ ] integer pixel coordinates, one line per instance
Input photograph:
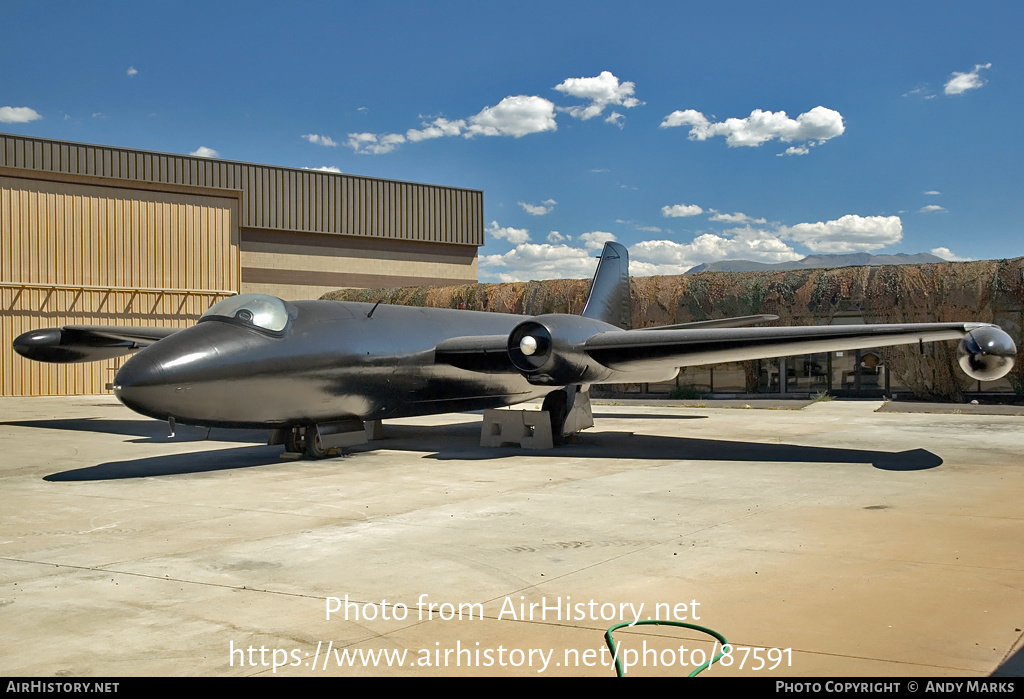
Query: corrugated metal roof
(275, 198)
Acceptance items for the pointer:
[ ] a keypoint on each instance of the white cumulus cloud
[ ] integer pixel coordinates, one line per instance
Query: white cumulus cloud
(616, 119)
(669, 257)
(850, 233)
(733, 218)
(18, 115)
(947, 254)
(438, 128)
(555, 259)
(516, 236)
(932, 209)
(604, 90)
(960, 83)
(532, 261)
(812, 128)
(204, 152)
(319, 140)
(131, 72)
(563, 257)
(595, 240)
(515, 116)
(681, 210)
(541, 209)
(796, 150)
(558, 260)
(374, 144)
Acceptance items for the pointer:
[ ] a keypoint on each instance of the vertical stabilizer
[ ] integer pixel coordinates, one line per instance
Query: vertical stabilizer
(609, 292)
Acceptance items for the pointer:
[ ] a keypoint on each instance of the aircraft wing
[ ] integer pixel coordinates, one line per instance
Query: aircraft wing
(86, 343)
(737, 322)
(640, 350)
(558, 350)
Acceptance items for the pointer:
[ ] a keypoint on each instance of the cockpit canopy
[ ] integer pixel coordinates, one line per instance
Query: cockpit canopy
(258, 310)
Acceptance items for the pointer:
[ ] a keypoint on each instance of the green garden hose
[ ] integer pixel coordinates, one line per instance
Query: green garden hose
(655, 622)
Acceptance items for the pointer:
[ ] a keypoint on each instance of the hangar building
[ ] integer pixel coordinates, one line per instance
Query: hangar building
(101, 235)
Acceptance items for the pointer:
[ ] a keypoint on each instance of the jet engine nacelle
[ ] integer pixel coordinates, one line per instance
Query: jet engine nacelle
(986, 353)
(548, 350)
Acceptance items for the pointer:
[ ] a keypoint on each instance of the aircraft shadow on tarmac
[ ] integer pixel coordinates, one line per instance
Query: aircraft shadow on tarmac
(459, 441)
(156, 432)
(148, 431)
(175, 464)
(1012, 666)
(629, 445)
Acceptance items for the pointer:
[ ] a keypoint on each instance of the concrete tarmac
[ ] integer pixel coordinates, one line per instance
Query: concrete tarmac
(828, 541)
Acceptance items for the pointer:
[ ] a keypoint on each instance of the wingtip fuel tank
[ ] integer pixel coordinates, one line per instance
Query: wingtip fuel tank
(986, 353)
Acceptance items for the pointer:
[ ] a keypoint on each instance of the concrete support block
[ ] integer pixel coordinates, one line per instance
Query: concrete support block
(580, 416)
(530, 429)
(374, 429)
(345, 433)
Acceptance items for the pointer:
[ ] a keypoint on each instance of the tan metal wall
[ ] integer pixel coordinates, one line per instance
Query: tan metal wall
(73, 253)
(298, 266)
(95, 234)
(276, 198)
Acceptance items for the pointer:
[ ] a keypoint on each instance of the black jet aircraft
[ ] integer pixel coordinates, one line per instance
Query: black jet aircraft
(314, 371)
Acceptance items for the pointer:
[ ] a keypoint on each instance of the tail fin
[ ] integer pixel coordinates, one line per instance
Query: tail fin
(609, 292)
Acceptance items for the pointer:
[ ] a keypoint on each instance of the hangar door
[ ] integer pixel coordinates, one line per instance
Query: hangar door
(85, 254)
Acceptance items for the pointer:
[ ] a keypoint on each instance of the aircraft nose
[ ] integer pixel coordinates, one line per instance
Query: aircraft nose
(142, 385)
(138, 372)
(213, 374)
(172, 378)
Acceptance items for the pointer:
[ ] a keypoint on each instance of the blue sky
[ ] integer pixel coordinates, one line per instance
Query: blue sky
(689, 132)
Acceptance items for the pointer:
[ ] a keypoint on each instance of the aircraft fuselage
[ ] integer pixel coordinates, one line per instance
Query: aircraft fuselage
(256, 361)
(333, 360)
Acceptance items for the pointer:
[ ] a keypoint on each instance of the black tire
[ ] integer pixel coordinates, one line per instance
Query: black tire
(314, 447)
(293, 441)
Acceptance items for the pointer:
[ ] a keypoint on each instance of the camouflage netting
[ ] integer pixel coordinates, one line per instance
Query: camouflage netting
(987, 291)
